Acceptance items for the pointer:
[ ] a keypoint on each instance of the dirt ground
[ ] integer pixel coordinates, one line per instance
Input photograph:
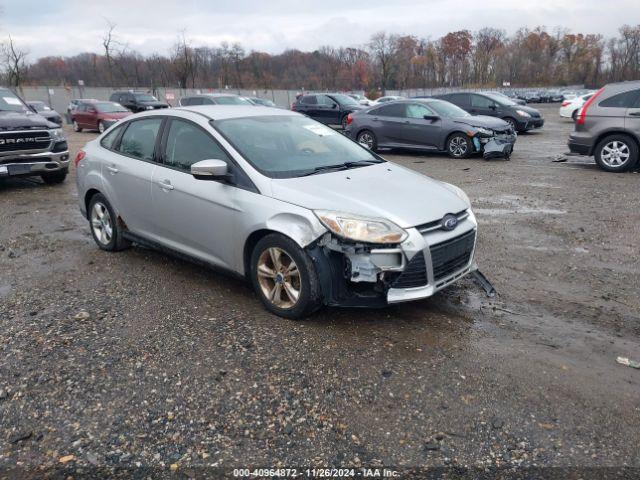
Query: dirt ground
(176, 367)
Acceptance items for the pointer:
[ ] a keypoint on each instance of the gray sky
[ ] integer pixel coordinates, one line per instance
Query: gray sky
(66, 27)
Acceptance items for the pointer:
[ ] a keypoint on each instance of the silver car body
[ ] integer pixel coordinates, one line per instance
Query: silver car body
(214, 222)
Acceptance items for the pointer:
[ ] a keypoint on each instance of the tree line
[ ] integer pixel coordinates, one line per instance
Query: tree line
(485, 58)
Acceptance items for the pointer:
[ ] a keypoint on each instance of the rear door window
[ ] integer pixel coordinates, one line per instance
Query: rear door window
(622, 100)
(480, 101)
(392, 110)
(460, 99)
(139, 139)
(110, 138)
(309, 100)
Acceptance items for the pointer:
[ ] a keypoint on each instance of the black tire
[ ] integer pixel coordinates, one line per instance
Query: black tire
(310, 296)
(372, 145)
(459, 145)
(76, 127)
(574, 115)
(620, 144)
(54, 178)
(116, 241)
(512, 121)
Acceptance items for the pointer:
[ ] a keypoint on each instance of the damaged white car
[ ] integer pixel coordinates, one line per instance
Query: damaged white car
(310, 217)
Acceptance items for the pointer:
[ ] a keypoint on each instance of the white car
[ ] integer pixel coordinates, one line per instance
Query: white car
(571, 108)
(388, 98)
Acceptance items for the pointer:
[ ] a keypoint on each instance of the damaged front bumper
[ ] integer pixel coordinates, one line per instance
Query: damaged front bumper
(497, 146)
(427, 261)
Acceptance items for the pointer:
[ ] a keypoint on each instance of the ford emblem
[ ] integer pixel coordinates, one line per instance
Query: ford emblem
(449, 222)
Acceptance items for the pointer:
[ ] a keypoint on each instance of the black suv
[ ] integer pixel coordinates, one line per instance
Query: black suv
(520, 117)
(328, 108)
(30, 145)
(137, 101)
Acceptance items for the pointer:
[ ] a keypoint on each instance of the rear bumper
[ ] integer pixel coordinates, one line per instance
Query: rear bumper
(27, 165)
(580, 145)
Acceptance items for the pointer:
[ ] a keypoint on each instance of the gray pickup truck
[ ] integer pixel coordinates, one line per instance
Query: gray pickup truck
(30, 145)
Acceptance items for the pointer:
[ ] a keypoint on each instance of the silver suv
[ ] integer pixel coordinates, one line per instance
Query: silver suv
(608, 127)
(310, 217)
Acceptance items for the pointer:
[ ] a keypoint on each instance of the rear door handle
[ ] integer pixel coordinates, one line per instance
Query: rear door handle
(113, 170)
(165, 185)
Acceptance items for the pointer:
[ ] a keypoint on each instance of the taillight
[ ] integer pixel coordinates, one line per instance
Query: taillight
(565, 103)
(349, 119)
(79, 157)
(582, 116)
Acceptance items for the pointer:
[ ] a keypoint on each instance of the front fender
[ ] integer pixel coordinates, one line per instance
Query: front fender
(301, 229)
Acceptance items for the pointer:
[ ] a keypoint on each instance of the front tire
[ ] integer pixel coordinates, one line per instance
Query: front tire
(616, 153)
(105, 228)
(54, 178)
(459, 146)
(367, 139)
(513, 123)
(284, 277)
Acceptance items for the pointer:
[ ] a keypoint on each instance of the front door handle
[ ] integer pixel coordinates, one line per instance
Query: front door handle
(165, 185)
(113, 170)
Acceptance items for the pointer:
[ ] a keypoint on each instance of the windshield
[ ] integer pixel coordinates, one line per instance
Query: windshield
(344, 99)
(501, 99)
(145, 97)
(9, 101)
(286, 146)
(109, 107)
(232, 100)
(446, 109)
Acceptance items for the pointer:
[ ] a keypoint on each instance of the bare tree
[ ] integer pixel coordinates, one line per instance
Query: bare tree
(15, 63)
(108, 42)
(383, 49)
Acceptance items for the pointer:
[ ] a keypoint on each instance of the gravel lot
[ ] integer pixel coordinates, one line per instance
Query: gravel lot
(137, 359)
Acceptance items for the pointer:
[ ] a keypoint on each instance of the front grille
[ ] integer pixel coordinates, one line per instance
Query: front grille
(414, 275)
(21, 141)
(437, 224)
(450, 256)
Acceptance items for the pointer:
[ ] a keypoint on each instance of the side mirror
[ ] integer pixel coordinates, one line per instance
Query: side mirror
(210, 170)
(335, 105)
(493, 107)
(433, 118)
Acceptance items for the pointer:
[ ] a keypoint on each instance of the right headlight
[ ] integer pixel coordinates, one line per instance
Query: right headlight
(522, 113)
(361, 229)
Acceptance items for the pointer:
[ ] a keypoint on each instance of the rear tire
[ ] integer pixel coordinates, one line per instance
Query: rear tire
(616, 153)
(459, 146)
(106, 230)
(284, 277)
(76, 127)
(54, 178)
(574, 115)
(367, 139)
(101, 127)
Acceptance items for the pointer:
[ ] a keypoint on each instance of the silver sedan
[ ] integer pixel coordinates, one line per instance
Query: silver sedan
(308, 216)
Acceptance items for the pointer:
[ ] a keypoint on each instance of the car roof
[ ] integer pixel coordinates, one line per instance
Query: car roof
(212, 95)
(223, 112)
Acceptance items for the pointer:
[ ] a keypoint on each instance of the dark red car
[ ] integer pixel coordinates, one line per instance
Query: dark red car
(97, 115)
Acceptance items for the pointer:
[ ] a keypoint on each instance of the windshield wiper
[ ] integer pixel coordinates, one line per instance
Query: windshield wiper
(342, 166)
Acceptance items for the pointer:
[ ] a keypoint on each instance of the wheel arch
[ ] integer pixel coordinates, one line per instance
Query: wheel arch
(87, 198)
(451, 134)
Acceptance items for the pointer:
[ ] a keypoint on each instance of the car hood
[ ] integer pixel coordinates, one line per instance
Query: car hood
(482, 121)
(531, 111)
(17, 120)
(385, 190)
(49, 114)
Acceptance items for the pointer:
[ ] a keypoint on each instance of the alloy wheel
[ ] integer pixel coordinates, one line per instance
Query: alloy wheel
(279, 278)
(366, 140)
(615, 154)
(458, 146)
(101, 127)
(101, 223)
